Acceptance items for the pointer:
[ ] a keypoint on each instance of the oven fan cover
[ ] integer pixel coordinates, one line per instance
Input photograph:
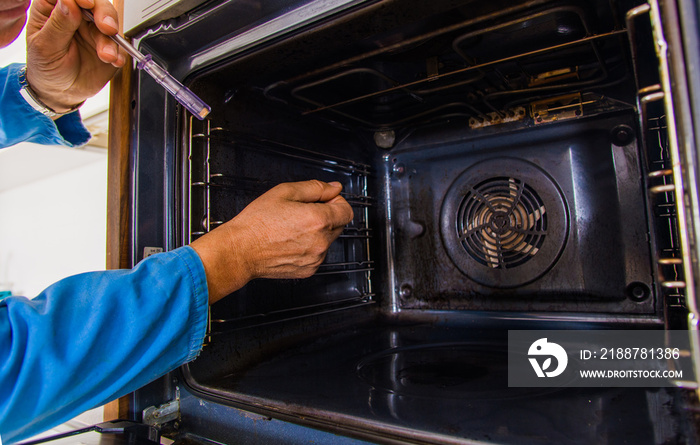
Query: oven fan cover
(504, 222)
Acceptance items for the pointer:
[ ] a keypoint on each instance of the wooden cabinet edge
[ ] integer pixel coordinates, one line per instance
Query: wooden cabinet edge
(118, 191)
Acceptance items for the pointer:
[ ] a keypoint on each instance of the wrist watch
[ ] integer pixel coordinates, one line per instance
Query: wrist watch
(30, 96)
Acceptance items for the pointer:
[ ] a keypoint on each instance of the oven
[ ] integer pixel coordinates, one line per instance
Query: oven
(510, 164)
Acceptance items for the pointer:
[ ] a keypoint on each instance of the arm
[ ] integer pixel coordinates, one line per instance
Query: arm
(94, 337)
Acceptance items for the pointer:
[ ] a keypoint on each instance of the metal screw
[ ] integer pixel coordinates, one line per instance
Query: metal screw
(385, 138)
(622, 135)
(398, 170)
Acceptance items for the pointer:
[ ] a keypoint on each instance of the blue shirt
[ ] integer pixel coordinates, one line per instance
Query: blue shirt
(19, 122)
(93, 337)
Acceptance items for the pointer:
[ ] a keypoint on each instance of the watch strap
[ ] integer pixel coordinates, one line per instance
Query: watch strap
(31, 98)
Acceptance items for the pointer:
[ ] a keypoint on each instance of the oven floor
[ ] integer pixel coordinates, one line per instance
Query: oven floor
(443, 383)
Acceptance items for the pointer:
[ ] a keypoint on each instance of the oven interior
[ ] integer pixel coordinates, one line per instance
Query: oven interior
(502, 177)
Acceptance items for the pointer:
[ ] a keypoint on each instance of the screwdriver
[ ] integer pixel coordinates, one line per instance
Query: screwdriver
(145, 62)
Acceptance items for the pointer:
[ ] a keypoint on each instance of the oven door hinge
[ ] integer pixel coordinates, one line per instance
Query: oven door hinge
(157, 416)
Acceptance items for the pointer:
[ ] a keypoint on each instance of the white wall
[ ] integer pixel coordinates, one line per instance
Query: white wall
(53, 227)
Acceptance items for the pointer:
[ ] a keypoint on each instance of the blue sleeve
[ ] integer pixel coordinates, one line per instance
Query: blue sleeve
(19, 122)
(94, 337)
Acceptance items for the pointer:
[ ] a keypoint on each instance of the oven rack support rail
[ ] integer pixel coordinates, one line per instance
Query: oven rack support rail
(684, 198)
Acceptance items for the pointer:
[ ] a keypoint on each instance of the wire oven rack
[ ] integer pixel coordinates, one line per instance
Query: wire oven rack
(218, 190)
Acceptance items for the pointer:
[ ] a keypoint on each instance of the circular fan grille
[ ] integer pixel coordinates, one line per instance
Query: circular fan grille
(502, 222)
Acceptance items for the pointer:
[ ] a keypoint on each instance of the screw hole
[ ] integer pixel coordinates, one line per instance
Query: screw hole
(638, 291)
(622, 135)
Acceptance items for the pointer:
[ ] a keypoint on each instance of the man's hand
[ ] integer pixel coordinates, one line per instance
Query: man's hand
(68, 58)
(285, 233)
